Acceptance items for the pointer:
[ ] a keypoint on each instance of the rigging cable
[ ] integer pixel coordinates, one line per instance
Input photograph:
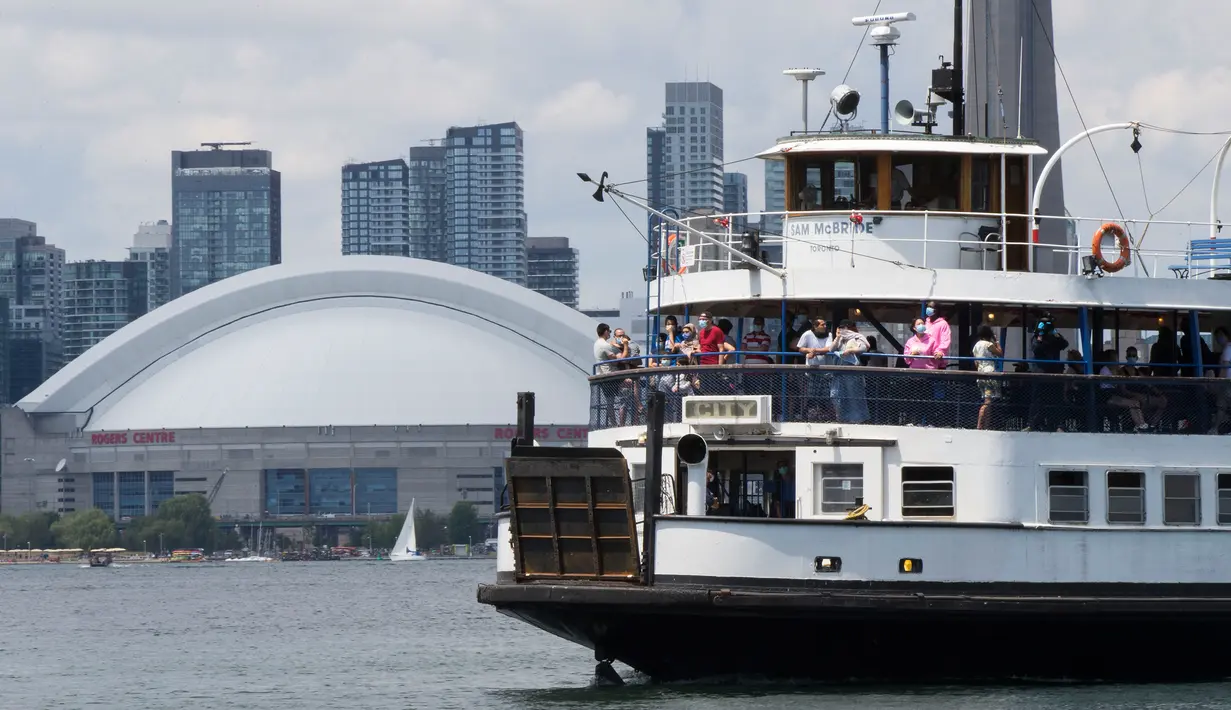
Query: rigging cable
(854, 56)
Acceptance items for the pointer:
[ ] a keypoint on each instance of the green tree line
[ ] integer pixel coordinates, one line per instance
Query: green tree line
(183, 521)
(432, 529)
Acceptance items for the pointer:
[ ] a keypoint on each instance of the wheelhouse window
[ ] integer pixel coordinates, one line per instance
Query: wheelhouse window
(926, 182)
(1068, 496)
(1126, 498)
(841, 485)
(927, 492)
(1224, 499)
(1181, 498)
(833, 183)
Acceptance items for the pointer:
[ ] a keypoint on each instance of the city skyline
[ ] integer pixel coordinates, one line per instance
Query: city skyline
(101, 113)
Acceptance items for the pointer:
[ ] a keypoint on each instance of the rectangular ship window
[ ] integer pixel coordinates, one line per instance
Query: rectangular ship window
(1068, 496)
(927, 492)
(841, 484)
(1126, 498)
(1224, 499)
(1181, 499)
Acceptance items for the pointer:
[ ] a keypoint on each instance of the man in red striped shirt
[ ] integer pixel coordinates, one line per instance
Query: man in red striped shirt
(757, 341)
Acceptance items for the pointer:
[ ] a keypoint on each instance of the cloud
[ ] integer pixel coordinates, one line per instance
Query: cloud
(96, 95)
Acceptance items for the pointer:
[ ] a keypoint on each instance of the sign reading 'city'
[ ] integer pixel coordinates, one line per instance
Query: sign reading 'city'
(114, 438)
(726, 410)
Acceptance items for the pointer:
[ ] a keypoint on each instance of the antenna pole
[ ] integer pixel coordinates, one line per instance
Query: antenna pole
(805, 107)
(1021, 65)
(884, 48)
(959, 81)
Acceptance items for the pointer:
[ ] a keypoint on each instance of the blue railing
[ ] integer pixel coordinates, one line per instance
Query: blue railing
(897, 396)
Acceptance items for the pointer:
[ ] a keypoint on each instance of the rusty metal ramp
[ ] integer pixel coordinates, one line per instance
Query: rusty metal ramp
(572, 515)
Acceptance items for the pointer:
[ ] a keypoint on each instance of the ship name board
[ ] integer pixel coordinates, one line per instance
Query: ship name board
(803, 228)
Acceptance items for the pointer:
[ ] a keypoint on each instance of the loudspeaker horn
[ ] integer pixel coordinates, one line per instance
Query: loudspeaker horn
(904, 112)
(691, 449)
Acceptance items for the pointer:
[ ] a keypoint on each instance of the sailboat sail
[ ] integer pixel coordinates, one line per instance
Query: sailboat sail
(406, 548)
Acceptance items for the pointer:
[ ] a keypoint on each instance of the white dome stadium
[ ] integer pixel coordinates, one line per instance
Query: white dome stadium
(352, 341)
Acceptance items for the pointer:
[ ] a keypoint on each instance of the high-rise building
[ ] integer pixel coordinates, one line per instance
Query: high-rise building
(655, 172)
(485, 207)
(775, 196)
(375, 211)
(735, 199)
(152, 246)
(31, 282)
(100, 297)
(226, 215)
(693, 169)
(552, 269)
(426, 203)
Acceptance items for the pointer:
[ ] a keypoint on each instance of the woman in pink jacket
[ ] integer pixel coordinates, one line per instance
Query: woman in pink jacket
(920, 351)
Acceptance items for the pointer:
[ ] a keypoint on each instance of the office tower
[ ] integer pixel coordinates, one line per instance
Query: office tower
(226, 214)
(552, 269)
(735, 199)
(775, 195)
(485, 212)
(152, 246)
(656, 173)
(100, 297)
(375, 211)
(694, 147)
(426, 203)
(31, 282)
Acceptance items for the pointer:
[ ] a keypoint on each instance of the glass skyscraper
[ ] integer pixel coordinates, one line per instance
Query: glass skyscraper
(100, 297)
(31, 282)
(735, 199)
(152, 246)
(426, 191)
(694, 147)
(226, 215)
(552, 270)
(775, 195)
(375, 211)
(485, 204)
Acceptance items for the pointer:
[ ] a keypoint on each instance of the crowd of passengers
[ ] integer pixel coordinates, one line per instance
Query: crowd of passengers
(844, 397)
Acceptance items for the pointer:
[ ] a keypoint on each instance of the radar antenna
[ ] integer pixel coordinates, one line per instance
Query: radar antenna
(218, 145)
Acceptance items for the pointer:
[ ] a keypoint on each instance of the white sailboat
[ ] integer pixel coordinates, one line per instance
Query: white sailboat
(405, 549)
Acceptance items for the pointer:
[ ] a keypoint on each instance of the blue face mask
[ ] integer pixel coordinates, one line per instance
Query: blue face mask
(921, 329)
(703, 323)
(1131, 359)
(930, 312)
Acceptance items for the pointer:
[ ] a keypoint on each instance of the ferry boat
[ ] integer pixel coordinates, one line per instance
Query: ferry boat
(955, 518)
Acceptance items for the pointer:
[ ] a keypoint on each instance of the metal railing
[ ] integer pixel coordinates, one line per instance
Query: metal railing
(898, 396)
(940, 241)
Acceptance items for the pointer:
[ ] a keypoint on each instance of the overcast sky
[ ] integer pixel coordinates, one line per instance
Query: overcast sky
(95, 95)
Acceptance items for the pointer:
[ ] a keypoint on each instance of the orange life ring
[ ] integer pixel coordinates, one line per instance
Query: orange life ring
(1122, 244)
(667, 267)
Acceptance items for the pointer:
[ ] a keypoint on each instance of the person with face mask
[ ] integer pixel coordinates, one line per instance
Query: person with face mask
(757, 341)
(939, 330)
(816, 343)
(711, 339)
(920, 350)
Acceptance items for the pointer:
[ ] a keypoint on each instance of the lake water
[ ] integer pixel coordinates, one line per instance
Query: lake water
(375, 635)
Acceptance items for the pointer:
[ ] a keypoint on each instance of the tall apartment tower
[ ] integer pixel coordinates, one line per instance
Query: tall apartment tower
(100, 297)
(694, 155)
(429, 237)
(656, 173)
(775, 195)
(735, 199)
(31, 281)
(152, 246)
(226, 215)
(375, 211)
(485, 203)
(552, 269)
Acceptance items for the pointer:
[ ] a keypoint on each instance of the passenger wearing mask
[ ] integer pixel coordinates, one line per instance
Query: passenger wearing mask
(939, 329)
(711, 339)
(848, 390)
(757, 341)
(920, 349)
(815, 345)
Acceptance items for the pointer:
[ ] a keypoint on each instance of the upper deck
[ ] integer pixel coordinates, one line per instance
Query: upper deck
(930, 216)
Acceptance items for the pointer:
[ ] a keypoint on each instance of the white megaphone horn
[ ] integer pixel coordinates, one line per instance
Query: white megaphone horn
(904, 113)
